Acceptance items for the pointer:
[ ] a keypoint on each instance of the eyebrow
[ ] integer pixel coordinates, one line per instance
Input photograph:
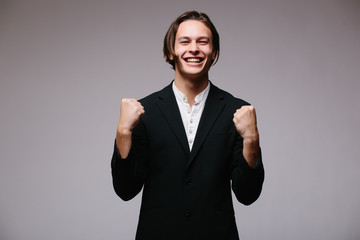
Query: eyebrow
(186, 37)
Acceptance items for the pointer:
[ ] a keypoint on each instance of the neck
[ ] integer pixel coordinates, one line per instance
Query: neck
(191, 86)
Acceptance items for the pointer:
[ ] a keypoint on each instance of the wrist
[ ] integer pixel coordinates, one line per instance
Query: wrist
(124, 131)
(251, 149)
(251, 140)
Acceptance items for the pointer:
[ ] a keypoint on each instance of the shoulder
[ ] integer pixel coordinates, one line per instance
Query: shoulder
(155, 96)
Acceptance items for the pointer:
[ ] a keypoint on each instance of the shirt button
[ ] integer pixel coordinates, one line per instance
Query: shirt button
(189, 111)
(190, 141)
(191, 121)
(190, 131)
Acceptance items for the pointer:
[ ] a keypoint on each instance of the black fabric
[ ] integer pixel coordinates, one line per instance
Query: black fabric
(187, 195)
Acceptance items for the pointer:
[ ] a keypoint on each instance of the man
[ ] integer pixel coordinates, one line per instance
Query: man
(188, 145)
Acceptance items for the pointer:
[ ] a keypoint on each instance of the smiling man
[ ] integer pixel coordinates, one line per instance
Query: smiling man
(188, 145)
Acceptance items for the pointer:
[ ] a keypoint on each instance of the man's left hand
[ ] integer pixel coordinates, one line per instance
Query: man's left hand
(245, 124)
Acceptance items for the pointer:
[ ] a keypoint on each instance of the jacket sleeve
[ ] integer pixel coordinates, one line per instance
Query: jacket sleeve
(246, 181)
(128, 174)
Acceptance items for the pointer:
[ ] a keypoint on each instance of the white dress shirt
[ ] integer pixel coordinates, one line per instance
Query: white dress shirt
(191, 115)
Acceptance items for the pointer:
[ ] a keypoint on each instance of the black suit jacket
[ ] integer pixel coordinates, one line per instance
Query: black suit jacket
(187, 195)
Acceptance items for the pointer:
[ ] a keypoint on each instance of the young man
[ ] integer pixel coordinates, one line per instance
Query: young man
(188, 145)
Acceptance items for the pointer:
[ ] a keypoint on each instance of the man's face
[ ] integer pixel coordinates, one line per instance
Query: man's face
(193, 49)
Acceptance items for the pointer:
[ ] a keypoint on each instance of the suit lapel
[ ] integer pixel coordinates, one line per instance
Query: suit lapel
(170, 110)
(213, 107)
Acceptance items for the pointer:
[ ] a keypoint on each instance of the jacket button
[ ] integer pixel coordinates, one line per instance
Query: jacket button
(188, 216)
(188, 181)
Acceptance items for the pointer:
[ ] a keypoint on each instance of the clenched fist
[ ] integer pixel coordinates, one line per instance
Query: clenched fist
(245, 123)
(130, 113)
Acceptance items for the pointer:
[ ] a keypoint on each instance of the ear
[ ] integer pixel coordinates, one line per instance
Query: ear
(171, 57)
(213, 55)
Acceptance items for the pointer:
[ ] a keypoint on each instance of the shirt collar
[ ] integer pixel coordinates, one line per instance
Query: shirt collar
(182, 97)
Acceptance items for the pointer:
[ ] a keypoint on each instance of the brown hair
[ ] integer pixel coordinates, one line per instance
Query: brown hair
(169, 40)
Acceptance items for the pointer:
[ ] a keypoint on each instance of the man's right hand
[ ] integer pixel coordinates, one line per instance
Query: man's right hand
(130, 113)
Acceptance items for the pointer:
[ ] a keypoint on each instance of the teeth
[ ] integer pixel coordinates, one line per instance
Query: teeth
(194, 60)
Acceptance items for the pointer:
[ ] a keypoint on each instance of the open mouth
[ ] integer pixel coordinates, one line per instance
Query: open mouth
(194, 59)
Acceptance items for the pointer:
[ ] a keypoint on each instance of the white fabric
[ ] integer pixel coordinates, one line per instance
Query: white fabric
(191, 115)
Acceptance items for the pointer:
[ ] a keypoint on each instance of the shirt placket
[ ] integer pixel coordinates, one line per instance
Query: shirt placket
(190, 125)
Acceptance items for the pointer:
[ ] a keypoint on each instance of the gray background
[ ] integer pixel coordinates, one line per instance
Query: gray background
(65, 65)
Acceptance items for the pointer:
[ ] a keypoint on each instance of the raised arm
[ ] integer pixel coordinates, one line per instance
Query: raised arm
(247, 170)
(127, 164)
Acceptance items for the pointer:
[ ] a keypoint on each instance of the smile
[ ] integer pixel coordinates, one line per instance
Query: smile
(194, 60)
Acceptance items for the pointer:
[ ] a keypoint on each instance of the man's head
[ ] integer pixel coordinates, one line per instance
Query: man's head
(170, 37)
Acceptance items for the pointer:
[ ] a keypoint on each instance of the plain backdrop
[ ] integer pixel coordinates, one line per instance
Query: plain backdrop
(66, 65)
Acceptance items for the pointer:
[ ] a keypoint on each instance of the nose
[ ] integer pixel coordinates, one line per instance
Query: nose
(193, 47)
